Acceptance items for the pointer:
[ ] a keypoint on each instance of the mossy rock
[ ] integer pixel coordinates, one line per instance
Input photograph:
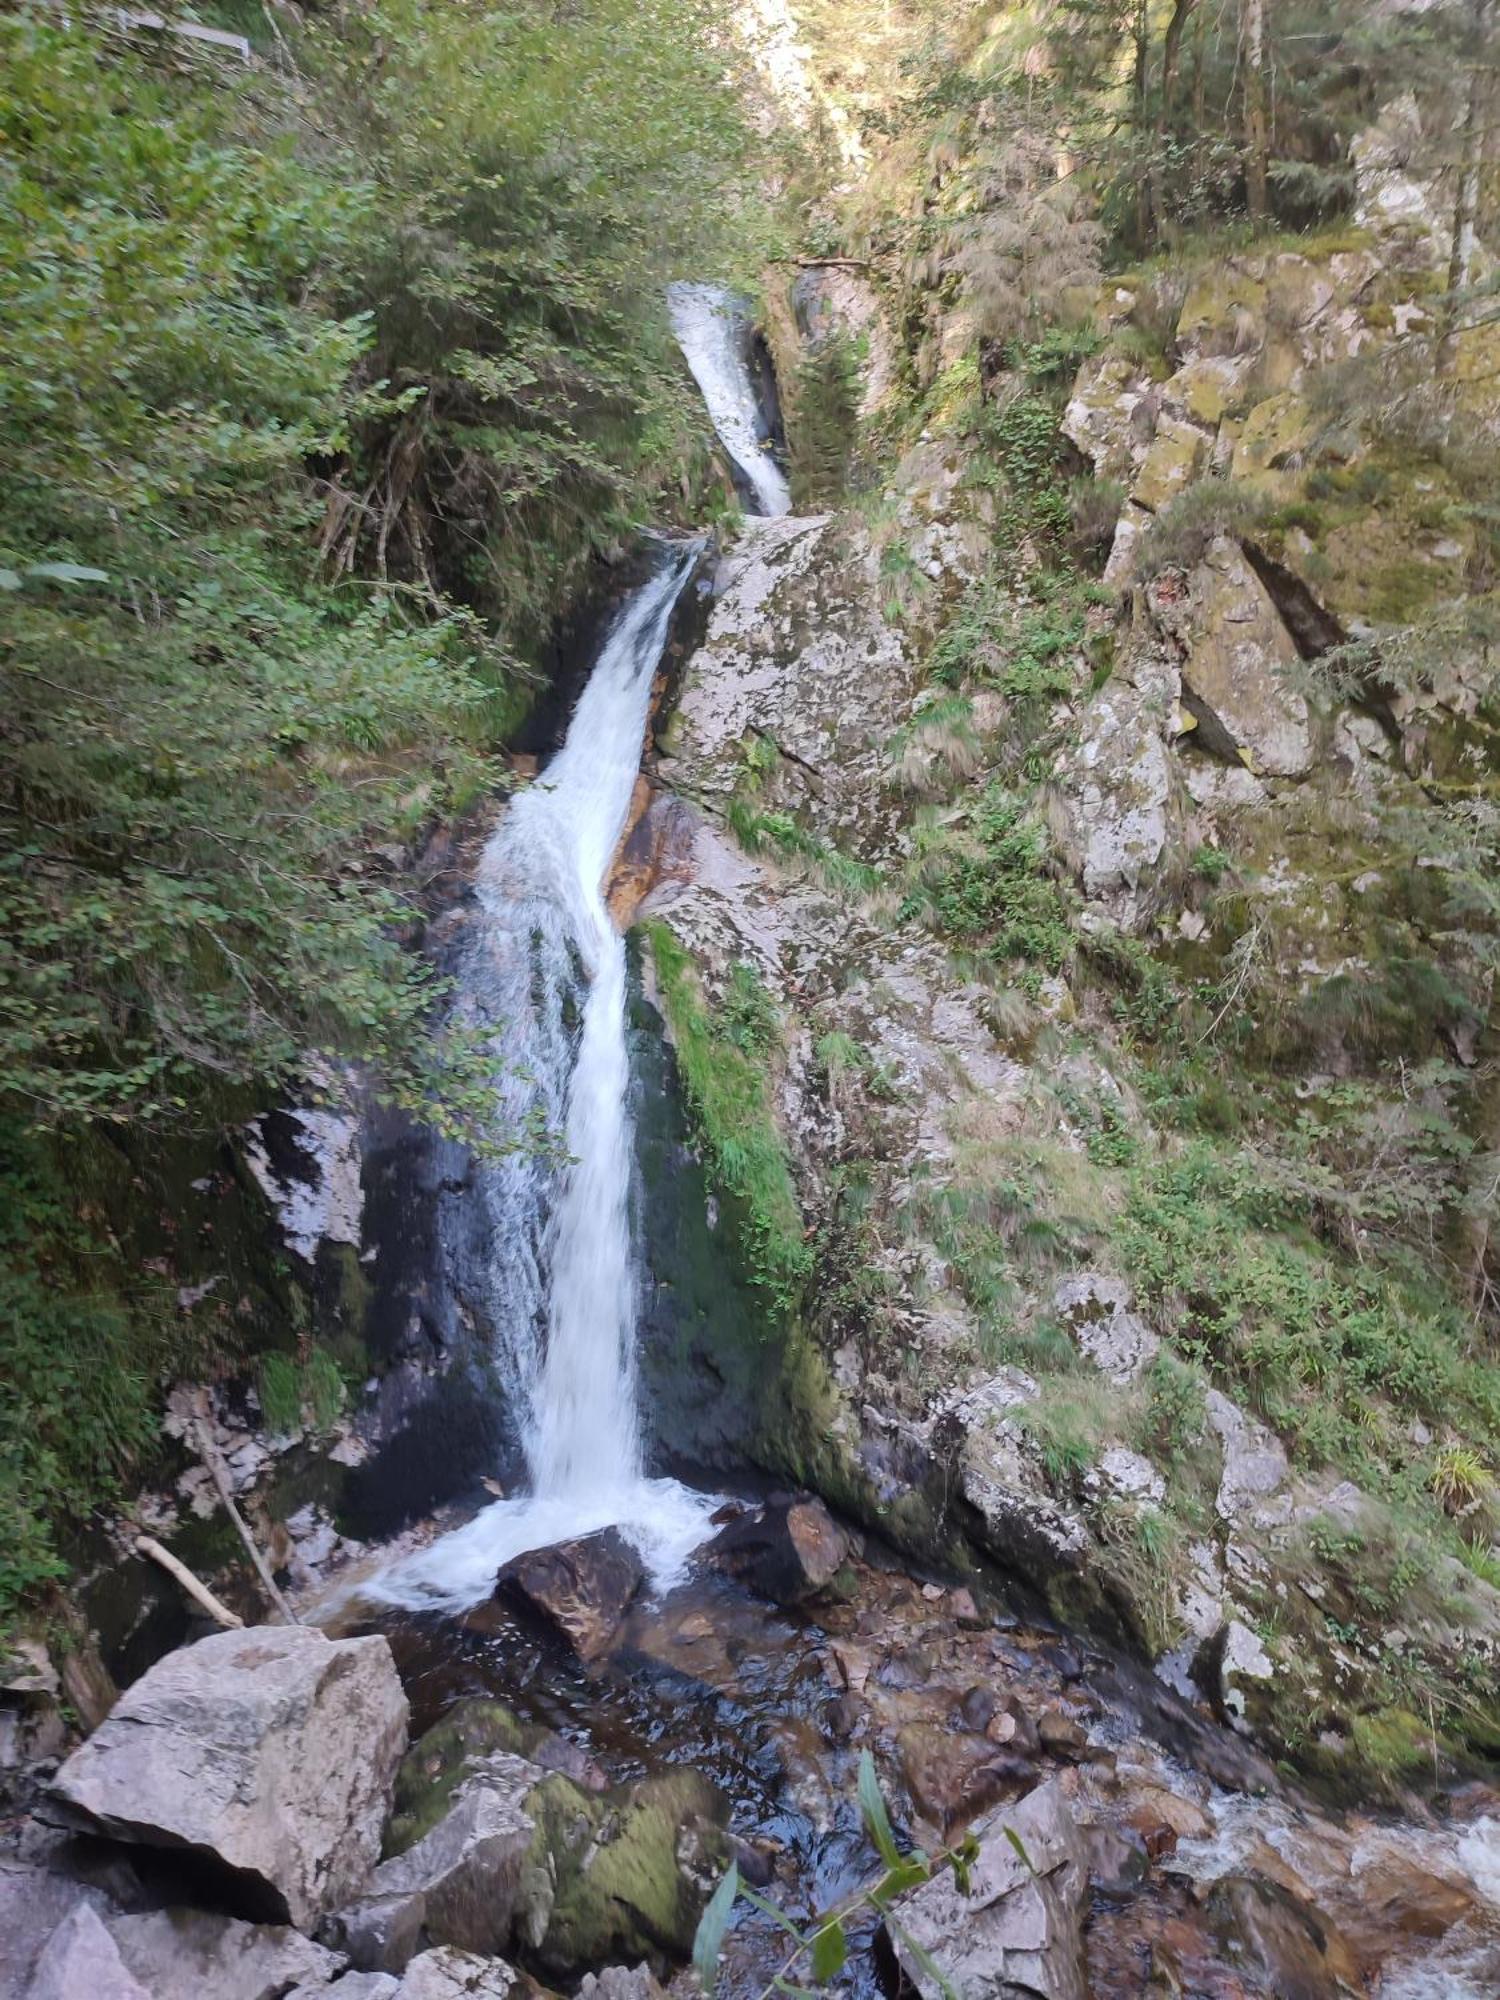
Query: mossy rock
(434, 1766)
(1224, 311)
(1275, 436)
(633, 1869)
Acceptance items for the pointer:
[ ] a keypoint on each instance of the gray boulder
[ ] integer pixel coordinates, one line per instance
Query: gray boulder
(464, 1883)
(270, 1752)
(81, 1961)
(1019, 1930)
(194, 1955)
(446, 1974)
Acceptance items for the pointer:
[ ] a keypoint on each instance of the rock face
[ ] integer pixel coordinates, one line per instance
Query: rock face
(789, 1551)
(190, 1954)
(464, 1883)
(270, 1753)
(1019, 1930)
(582, 1589)
(1239, 657)
(523, 1859)
(82, 1959)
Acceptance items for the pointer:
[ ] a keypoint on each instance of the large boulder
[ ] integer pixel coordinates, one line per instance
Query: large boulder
(270, 1754)
(525, 1859)
(81, 1961)
(1019, 1927)
(194, 1954)
(582, 1589)
(466, 1882)
(633, 1870)
(472, 1730)
(1240, 663)
(789, 1550)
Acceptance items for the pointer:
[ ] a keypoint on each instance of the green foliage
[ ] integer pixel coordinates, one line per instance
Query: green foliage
(205, 735)
(993, 892)
(1179, 536)
(723, 1057)
(542, 177)
(79, 1362)
(300, 1389)
(1318, 1341)
(816, 1949)
(778, 832)
(433, 278)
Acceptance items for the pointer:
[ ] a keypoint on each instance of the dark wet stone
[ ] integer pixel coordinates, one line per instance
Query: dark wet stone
(790, 1551)
(582, 1589)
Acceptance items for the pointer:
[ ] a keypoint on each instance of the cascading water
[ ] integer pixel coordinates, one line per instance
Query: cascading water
(546, 973)
(545, 976)
(713, 332)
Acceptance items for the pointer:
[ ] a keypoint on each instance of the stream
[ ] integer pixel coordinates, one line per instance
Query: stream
(1210, 1876)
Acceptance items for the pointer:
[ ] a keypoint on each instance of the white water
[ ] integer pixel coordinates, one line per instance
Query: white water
(545, 1249)
(714, 335)
(558, 1268)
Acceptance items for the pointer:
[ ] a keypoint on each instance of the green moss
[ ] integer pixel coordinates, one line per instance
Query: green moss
(434, 1766)
(728, 1081)
(622, 1889)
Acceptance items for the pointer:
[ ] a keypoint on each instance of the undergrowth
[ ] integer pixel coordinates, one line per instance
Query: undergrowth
(725, 1057)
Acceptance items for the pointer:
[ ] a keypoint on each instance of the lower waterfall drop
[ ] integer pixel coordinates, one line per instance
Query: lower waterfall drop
(546, 975)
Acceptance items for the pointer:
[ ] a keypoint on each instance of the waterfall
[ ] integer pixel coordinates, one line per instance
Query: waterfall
(713, 331)
(540, 1236)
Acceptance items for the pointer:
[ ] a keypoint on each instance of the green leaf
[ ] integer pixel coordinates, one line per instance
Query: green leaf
(712, 1925)
(829, 1951)
(1020, 1846)
(876, 1818)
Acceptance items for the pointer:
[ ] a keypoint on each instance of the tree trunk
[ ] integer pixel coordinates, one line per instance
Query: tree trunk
(1257, 136)
(1146, 168)
(1171, 57)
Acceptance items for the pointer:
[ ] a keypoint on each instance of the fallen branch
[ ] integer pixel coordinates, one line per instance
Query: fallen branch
(220, 1478)
(147, 1545)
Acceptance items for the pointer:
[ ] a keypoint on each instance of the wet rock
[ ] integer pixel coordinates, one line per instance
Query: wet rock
(269, 1753)
(468, 1882)
(978, 1708)
(1162, 1818)
(81, 1961)
(789, 1552)
(952, 1777)
(842, 1717)
(1119, 1859)
(633, 1870)
(1290, 1944)
(582, 1589)
(1231, 1667)
(1062, 1735)
(437, 1764)
(1019, 1929)
(191, 1954)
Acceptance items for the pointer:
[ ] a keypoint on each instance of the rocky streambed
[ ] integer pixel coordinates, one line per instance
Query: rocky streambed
(472, 1807)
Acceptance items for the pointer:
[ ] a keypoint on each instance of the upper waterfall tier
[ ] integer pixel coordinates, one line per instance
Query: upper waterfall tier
(713, 331)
